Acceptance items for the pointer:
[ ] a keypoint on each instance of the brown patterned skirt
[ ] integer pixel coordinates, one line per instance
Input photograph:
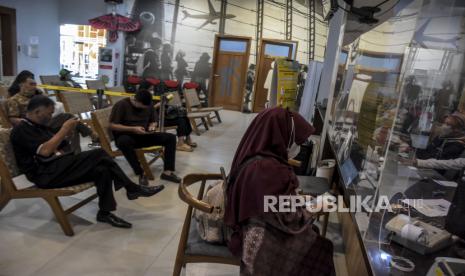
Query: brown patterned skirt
(270, 247)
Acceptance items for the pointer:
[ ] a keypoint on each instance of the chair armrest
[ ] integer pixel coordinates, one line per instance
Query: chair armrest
(294, 163)
(191, 200)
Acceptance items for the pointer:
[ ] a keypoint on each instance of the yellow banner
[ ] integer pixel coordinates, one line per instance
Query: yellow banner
(288, 71)
(89, 91)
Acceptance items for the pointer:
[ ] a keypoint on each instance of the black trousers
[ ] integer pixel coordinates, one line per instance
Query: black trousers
(89, 166)
(184, 127)
(127, 143)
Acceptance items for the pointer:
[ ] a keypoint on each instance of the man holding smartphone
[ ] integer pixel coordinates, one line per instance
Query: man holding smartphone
(43, 156)
(16, 108)
(133, 123)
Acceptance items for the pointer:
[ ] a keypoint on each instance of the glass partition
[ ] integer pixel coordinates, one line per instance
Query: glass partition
(398, 114)
(429, 128)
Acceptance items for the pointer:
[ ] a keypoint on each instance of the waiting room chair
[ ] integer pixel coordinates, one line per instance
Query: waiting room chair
(314, 186)
(101, 123)
(4, 120)
(9, 191)
(99, 84)
(50, 80)
(115, 99)
(193, 104)
(7, 80)
(203, 116)
(95, 84)
(191, 248)
(76, 103)
(4, 91)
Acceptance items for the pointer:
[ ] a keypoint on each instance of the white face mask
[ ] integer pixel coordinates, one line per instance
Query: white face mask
(445, 130)
(293, 149)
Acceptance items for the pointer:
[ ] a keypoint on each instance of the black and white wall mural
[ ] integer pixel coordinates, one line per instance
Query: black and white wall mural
(180, 46)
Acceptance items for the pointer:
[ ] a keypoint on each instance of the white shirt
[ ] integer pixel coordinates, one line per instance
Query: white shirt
(451, 164)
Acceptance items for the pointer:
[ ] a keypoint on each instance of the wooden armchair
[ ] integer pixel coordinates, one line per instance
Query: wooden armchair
(193, 104)
(101, 123)
(115, 99)
(76, 103)
(50, 80)
(192, 249)
(3, 91)
(95, 84)
(4, 120)
(99, 84)
(203, 116)
(9, 191)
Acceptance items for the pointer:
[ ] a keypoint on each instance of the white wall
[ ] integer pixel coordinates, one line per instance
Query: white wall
(79, 12)
(43, 19)
(40, 19)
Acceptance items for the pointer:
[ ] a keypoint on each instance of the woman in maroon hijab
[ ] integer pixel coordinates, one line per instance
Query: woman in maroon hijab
(271, 243)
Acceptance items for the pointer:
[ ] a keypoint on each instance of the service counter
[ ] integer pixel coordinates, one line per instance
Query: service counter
(369, 245)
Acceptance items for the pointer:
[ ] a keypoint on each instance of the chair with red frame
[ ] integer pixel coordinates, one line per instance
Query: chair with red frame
(171, 87)
(132, 83)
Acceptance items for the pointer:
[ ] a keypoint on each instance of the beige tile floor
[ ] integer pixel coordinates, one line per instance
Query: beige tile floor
(32, 243)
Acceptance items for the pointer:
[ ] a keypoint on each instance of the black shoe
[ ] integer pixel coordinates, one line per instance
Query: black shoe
(113, 220)
(171, 177)
(459, 249)
(143, 181)
(144, 191)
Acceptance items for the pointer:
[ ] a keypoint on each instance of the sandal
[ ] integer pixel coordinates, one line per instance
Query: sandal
(185, 147)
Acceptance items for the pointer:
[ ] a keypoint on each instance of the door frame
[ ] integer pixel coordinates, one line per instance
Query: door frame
(9, 42)
(261, 59)
(216, 51)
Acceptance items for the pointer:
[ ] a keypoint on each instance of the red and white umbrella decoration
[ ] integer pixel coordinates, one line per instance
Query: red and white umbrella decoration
(115, 22)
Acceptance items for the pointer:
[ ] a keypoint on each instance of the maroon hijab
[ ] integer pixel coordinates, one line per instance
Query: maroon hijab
(269, 135)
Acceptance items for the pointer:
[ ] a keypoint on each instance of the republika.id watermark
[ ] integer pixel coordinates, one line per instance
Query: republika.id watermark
(328, 203)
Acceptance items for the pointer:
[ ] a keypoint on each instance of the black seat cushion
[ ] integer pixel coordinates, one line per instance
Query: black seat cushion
(313, 185)
(197, 246)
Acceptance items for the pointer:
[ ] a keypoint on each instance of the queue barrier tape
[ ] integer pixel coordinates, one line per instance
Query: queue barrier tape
(89, 91)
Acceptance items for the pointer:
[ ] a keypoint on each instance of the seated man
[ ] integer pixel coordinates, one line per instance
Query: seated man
(133, 122)
(16, 110)
(42, 156)
(67, 80)
(448, 144)
(183, 130)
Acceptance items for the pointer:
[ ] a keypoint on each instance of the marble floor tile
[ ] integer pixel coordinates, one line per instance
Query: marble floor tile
(32, 243)
(96, 259)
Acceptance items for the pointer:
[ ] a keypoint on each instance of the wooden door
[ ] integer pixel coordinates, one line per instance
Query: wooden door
(269, 50)
(8, 40)
(230, 62)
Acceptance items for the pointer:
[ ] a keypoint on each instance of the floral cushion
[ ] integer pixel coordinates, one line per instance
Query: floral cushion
(72, 189)
(6, 152)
